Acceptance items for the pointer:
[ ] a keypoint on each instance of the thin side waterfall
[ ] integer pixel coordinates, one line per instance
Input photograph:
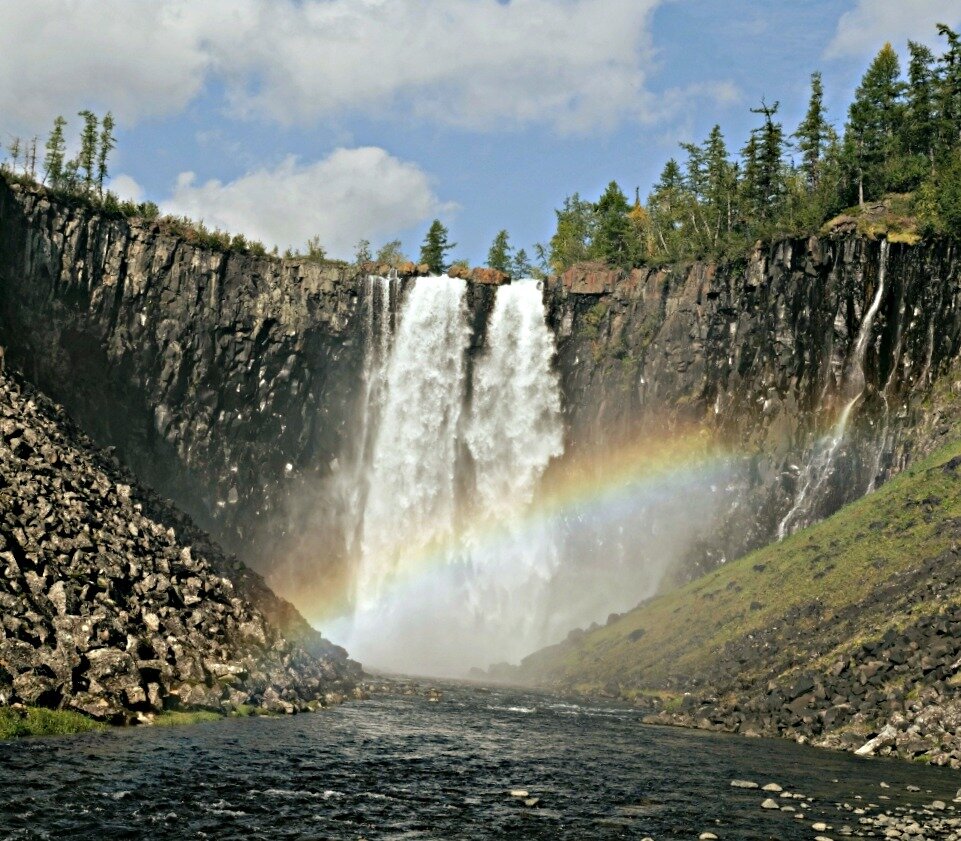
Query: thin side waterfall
(821, 464)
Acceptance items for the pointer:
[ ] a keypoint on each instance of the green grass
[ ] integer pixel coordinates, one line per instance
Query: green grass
(836, 565)
(176, 718)
(36, 721)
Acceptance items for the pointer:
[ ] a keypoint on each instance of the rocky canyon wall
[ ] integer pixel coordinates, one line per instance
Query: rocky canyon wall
(766, 354)
(230, 382)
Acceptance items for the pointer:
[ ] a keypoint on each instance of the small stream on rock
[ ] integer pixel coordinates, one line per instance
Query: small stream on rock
(409, 767)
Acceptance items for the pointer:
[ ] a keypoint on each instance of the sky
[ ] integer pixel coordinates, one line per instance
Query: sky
(351, 119)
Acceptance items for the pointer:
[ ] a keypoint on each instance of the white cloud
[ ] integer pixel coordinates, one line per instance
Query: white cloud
(577, 65)
(126, 188)
(870, 23)
(350, 194)
(57, 56)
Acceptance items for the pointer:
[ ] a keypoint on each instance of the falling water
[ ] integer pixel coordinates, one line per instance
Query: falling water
(452, 461)
(820, 465)
(411, 501)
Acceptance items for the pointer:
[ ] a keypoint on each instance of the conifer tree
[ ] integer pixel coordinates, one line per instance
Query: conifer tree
(53, 162)
(576, 221)
(667, 205)
(763, 183)
(521, 264)
(612, 236)
(871, 135)
(434, 250)
(812, 135)
(107, 144)
(87, 157)
(950, 87)
(720, 184)
(499, 254)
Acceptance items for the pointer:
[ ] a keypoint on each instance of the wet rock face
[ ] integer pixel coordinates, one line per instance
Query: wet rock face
(759, 353)
(113, 604)
(221, 378)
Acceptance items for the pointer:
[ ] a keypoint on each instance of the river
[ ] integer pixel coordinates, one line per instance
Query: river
(398, 767)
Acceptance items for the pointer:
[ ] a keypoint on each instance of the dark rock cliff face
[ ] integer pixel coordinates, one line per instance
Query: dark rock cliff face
(223, 380)
(763, 354)
(230, 383)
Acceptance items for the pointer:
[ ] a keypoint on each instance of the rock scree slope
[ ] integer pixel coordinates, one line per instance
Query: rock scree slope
(114, 605)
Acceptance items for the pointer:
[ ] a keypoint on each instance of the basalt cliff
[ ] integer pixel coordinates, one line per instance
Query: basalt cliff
(229, 383)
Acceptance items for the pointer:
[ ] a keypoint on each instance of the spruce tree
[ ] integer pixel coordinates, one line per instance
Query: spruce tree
(720, 185)
(107, 143)
(612, 236)
(434, 250)
(521, 264)
(576, 221)
(871, 135)
(499, 255)
(763, 183)
(950, 88)
(812, 135)
(53, 161)
(88, 148)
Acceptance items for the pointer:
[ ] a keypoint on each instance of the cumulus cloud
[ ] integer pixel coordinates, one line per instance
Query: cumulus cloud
(350, 194)
(56, 56)
(872, 22)
(575, 64)
(126, 188)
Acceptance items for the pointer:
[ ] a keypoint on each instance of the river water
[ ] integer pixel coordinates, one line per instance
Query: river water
(410, 768)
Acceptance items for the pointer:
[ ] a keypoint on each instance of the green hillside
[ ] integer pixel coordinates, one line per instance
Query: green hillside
(878, 565)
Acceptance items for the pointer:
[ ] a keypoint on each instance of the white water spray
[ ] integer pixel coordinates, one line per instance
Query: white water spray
(820, 465)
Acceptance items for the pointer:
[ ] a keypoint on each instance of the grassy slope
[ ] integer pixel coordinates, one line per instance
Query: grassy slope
(820, 584)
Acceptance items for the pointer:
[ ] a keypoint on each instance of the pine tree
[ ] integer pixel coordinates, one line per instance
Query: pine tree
(950, 88)
(107, 144)
(88, 148)
(521, 265)
(721, 185)
(576, 221)
(612, 236)
(434, 250)
(763, 184)
(812, 135)
(53, 162)
(871, 135)
(499, 255)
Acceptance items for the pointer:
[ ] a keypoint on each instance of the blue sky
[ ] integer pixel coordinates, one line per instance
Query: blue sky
(368, 118)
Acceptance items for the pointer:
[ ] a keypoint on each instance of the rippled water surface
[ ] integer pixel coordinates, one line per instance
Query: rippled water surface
(402, 767)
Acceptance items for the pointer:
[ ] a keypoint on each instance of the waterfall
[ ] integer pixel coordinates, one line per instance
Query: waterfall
(446, 573)
(410, 501)
(515, 427)
(821, 463)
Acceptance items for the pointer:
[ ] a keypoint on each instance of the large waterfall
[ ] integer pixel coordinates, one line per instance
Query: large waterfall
(445, 563)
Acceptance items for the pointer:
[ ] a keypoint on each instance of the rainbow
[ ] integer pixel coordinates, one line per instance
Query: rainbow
(602, 487)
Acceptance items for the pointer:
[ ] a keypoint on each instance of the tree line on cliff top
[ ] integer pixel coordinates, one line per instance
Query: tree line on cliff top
(901, 143)
(901, 139)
